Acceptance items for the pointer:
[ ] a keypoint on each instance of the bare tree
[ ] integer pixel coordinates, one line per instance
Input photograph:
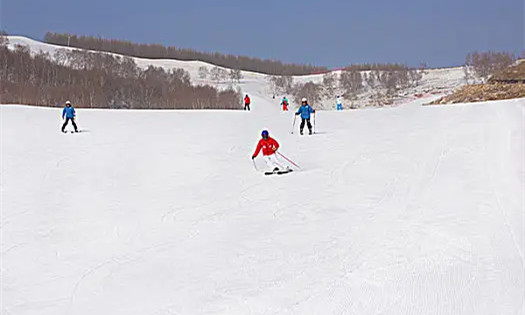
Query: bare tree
(274, 84)
(416, 75)
(467, 74)
(203, 72)
(223, 74)
(281, 84)
(351, 82)
(287, 83)
(370, 79)
(309, 90)
(128, 68)
(4, 41)
(393, 81)
(235, 75)
(485, 64)
(373, 81)
(388, 81)
(402, 79)
(218, 74)
(329, 84)
(60, 57)
(272, 81)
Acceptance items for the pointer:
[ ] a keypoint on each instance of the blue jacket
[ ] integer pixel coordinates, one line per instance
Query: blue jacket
(305, 111)
(69, 112)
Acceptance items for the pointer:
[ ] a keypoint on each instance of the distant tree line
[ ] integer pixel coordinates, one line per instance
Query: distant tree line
(155, 51)
(376, 66)
(101, 80)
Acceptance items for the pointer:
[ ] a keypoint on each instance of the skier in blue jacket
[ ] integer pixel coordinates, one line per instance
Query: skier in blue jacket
(69, 114)
(305, 110)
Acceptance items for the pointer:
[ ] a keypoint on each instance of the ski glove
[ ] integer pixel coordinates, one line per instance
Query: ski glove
(253, 157)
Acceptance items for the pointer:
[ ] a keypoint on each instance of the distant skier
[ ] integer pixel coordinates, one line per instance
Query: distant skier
(269, 146)
(69, 114)
(305, 110)
(247, 102)
(339, 102)
(284, 104)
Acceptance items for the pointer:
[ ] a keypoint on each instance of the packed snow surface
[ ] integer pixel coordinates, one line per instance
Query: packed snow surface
(406, 210)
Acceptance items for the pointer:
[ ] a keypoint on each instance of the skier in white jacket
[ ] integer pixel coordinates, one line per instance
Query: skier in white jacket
(339, 102)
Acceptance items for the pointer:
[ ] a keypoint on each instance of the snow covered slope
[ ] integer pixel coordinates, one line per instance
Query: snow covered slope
(434, 80)
(407, 210)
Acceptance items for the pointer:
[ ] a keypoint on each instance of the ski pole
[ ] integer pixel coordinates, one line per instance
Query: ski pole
(293, 126)
(314, 122)
(255, 165)
(287, 159)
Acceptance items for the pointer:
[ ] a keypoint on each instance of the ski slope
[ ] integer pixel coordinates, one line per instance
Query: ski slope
(406, 210)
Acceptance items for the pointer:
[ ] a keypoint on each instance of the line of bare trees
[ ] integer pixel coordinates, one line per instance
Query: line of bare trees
(484, 64)
(383, 82)
(218, 75)
(376, 66)
(156, 51)
(101, 80)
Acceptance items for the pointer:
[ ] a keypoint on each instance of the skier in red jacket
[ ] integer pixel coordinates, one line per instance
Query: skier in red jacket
(269, 146)
(247, 102)
(284, 104)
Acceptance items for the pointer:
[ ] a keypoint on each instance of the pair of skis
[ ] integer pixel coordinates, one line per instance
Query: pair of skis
(278, 172)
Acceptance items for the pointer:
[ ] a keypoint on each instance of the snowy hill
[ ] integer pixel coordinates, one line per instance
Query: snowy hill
(434, 81)
(406, 210)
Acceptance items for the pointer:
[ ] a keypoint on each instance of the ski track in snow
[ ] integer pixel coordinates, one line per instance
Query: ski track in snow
(407, 210)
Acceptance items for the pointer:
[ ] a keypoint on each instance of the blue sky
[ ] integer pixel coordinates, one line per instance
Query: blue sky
(331, 33)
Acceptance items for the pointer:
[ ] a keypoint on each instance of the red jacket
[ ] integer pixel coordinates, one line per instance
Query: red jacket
(268, 146)
(246, 100)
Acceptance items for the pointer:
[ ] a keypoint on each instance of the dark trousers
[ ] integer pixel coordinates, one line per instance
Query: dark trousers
(246, 106)
(67, 121)
(307, 121)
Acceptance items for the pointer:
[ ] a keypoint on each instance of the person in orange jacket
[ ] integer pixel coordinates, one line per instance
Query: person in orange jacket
(269, 146)
(247, 102)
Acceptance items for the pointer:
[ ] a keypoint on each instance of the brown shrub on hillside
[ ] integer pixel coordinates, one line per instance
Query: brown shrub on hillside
(483, 92)
(513, 74)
